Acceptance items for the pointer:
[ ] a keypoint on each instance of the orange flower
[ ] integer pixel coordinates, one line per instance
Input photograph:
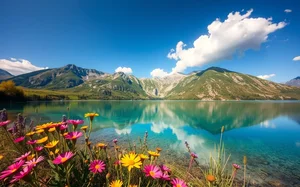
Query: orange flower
(30, 133)
(42, 140)
(154, 154)
(210, 178)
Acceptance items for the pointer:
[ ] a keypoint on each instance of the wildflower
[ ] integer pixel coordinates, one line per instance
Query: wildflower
(210, 178)
(30, 157)
(131, 160)
(91, 115)
(115, 141)
(158, 149)
(102, 145)
(31, 142)
(178, 183)
(1, 157)
(39, 131)
(164, 168)
(20, 139)
(165, 176)
(26, 170)
(236, 166)
(154, 154)
(73, 135)
(22, 157)
(30, 133)
(4, 123)
(62, 158)
(63, 127)
(75, 123)
(84, 128)
(152, 171)
(34, 161)
(51, 144)
(97, 166)
(38, 148)
(116, 183)
(11, 169)
(51, 129)
(55, 152)
(143, 157)
(43, 126)
(42, 140)
(194, 155)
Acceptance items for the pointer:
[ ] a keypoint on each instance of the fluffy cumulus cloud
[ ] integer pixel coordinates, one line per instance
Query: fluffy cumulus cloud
(297, 58)
(287, 10)
(159, 73)
(18, 66)
(124, 70)
(238, 33)
(266, 76)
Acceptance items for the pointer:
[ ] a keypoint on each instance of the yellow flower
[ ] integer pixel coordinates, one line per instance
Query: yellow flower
(84, 128)
(152, 153)
(51, 129)
(143, 157)
(30, 157)
(56, 151)
(51, 144)
(1, 157)
(102, 145)
(91, 115)
(42, 140)
(44, 126)
(30, 133)
(116, 183)
(39, 131)
(131, 160)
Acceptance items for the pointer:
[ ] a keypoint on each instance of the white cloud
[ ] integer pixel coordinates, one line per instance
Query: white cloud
(297, 58)
(18, 66)
(124, 70)
(266, 76)
(159, 73)
(235, 35)
(287, 10)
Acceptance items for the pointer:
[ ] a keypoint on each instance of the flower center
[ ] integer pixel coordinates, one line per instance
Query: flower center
(73, 137)
(131, 162)
(152, 173)
(63, 159)
(97, 166)
(12, 171)
(178, 185)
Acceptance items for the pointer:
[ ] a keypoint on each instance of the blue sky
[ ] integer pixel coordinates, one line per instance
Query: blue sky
(105, 35)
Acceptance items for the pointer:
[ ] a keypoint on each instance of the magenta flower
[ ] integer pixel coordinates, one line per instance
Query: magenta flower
(11, 169)
(34, 161)
(73, 135)
(30, 142)
(26, 170)
(62, 158)
(194, 155)
(236, 166)
(10, 130)
(4, 123)
(97, 166)
(165, 177)
(178, 183)
(63, 127)
(23, 157)
(75, 123)
(39, 148)
(153, 171)
(115, 140)
(164, 168)
(17, 140)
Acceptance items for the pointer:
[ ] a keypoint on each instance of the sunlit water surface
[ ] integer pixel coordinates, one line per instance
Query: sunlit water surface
(268, 132)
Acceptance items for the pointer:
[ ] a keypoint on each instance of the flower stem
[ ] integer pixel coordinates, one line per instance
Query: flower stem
(129, 178)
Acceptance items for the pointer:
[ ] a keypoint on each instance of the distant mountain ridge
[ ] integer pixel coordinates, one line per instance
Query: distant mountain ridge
(5, 74)
(213, 83)
(294, 82)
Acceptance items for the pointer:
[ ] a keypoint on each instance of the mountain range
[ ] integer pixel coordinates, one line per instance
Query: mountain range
(294, 82)
(5, 75)
(211, 84)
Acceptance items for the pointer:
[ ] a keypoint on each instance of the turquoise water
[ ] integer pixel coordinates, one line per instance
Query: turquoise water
(268, 132)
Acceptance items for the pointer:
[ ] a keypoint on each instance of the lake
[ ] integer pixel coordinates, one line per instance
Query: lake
(267, 132)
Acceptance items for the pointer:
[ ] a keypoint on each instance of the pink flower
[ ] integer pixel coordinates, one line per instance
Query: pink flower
(62, 158)
(97, 166)
(23, 157)
(115, 140)
(34, 161)
(75, 122)
(194, 155)
(10, 130)
(153, 171)
(11, 169)
(117, 162)
(236, 166)
(4, 123)
(165, 176)
(63, 127)
(39, 148)
(178, 183)
(17, 140)
(73, 135)
(30, 142)
(164, 168)
(26, 170)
